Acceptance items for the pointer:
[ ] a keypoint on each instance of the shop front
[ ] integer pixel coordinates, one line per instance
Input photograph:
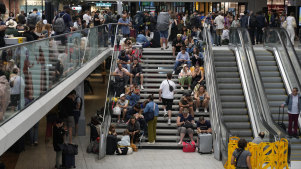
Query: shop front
(224, 7)
(104, 6)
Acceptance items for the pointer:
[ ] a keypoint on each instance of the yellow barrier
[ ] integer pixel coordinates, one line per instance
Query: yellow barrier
(264, 155)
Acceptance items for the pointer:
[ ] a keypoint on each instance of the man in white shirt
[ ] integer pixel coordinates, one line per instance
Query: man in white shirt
(166, 95)
(219, 22)
(293, 103)
(87, 18)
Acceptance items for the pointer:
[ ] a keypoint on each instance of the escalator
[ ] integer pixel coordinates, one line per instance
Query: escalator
(273, 83)
(298, 52)
(234, 106)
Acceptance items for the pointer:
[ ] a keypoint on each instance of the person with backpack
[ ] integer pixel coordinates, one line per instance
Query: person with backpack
(151, 111)
(78, 103)
(63, 22)
(33, 18)
(241, 158)
(163, 26)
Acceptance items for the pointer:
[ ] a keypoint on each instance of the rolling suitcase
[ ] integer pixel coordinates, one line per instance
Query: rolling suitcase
(68, 161)
(205, 143)
(280, 123)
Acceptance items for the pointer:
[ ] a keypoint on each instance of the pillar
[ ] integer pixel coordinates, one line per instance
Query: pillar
(256, 5)
(119, 7)
(80, 91)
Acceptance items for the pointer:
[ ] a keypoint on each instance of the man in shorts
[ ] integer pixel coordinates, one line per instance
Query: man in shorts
(163, 26)
(166, 95)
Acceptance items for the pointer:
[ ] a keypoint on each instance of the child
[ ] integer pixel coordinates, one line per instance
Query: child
(125, 140)
(58, 139)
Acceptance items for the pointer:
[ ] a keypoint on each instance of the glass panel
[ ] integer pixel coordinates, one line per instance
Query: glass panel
(29, 70)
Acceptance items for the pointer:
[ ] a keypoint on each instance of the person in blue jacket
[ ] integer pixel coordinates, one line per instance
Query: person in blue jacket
(152, 107)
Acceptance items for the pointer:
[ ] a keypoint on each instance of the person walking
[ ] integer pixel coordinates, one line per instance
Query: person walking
(163, 26)
(219, 22)
(293, 103)
(290, 28)
(166, 95)
(152, 107)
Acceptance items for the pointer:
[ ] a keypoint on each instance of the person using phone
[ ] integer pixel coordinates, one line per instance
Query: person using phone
(201, 99)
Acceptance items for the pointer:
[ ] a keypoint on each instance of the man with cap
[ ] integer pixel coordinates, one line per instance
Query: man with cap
(186, 102)
(177, 44)
(11, 28)
(182, 58)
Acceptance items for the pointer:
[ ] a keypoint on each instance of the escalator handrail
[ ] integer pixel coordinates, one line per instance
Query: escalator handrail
(104, 127)
(215, 101)
(257, 82)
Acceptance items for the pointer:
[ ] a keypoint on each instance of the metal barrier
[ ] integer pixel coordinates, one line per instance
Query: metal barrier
(264, 155)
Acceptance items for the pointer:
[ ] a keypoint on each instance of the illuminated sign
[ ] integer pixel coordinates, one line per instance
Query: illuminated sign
(299, 16)
(76, 8)
(104, 4)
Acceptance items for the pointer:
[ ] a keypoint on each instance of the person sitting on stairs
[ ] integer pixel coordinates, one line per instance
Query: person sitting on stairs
(185, 77)
(185, 123)
(182, 58)
(201, 99)
(186, 102)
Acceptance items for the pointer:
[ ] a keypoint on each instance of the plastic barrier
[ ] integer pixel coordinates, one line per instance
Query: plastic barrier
(264, 155)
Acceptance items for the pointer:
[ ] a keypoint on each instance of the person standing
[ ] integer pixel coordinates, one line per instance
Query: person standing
(33, 18)
(166, 95)
(87, 18)
(58, 139)
(259, 138)
(152, 107)
(241, 157)
(96, 19)
(219, 22)
(293, 103)
(163, 26)
(125, 24)
(252, 22)
(261, 22)
(290, 28)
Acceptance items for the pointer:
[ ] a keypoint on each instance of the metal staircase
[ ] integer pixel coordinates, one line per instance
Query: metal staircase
(234, 107)
(155, 65)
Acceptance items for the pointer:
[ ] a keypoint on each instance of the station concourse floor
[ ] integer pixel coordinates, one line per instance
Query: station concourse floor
(43, 155)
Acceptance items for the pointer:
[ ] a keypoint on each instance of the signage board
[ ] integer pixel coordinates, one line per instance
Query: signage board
(104, 4)
(76, 8)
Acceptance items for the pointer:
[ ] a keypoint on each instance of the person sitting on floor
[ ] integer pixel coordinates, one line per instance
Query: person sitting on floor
(125, 140)
(142, 39)
(185, 76)
(182, 58)
(186, 102)
(134, 129)
(185, 124)
(201, 99)
(136, 72)
(177, 44)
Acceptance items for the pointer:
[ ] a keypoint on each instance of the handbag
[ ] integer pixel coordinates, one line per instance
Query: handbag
(117, 111)
(189, 146)
(188, 125)
(148, 116)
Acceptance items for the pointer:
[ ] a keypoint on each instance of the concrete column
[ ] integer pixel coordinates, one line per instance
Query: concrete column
(119, 7)
(80, 91)
(256, 5)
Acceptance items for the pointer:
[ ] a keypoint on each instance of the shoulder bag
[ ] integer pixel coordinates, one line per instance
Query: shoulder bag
(170, 87)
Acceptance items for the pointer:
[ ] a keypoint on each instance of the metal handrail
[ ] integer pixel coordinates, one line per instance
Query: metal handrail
(255, 81)
(106, 115)
(223, 134)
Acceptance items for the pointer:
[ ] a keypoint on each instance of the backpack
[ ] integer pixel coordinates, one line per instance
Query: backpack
(32, 19)
(59, 24)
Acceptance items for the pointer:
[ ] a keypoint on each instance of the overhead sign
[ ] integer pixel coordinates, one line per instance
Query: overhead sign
(76, 8)
(104, 4)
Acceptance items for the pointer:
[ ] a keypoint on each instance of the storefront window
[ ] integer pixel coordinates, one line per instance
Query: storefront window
(29, 5)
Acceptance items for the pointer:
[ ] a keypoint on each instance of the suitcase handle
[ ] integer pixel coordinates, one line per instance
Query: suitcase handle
(282, 114)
